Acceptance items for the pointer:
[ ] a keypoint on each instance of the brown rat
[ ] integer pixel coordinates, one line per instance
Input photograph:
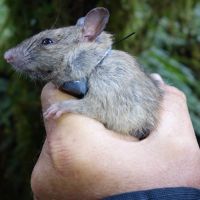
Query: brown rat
(120, 94)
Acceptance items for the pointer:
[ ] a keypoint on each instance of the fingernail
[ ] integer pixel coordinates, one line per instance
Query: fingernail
(157, 77)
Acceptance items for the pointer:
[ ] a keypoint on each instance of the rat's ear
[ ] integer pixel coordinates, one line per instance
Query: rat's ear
(94, 23)
(80, 22)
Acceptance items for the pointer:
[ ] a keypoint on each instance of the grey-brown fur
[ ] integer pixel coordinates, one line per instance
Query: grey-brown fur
(120, 94)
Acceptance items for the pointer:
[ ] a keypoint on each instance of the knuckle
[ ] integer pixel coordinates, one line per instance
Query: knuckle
(181, 94)
(176, 91)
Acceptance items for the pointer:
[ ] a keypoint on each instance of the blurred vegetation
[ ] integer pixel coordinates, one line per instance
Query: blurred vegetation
(167, 41)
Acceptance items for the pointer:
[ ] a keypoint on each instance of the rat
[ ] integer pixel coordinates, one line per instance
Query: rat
(117, 91)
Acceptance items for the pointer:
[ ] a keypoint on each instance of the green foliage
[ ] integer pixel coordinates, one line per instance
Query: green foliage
(167, 42)
(173, 54)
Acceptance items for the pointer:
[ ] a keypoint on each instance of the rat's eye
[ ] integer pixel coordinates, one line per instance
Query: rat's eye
(47, 41)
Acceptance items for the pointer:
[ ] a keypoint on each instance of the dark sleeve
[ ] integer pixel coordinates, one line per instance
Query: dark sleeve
(179, 193)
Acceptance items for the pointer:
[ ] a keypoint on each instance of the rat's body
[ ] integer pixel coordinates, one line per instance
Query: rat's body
(120, 94)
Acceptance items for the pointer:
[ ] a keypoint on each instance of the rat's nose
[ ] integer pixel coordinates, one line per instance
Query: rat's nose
(8, 56)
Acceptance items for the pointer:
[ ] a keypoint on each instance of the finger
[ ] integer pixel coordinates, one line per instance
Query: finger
(173, 109)
(174, 122)
(50, 94)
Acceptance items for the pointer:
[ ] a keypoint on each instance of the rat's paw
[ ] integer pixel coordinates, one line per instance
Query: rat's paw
(56, 110)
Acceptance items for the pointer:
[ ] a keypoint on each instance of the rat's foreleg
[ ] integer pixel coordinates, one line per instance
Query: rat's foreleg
(59, 108)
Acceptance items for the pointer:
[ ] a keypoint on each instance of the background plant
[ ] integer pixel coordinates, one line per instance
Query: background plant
(167, 41)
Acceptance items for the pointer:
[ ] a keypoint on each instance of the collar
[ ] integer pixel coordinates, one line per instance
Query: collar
(79, 88)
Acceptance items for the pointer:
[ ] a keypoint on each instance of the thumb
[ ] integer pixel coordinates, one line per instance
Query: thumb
(50, 95)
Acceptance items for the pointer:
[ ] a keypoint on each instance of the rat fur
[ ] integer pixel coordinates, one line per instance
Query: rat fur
(120, 94)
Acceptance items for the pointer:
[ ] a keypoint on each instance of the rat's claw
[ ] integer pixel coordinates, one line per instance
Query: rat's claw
(54, 111)
(48, 114)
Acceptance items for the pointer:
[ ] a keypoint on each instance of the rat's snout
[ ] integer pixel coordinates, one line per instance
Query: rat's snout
(9, 56)
(15, 57)
(19, 58)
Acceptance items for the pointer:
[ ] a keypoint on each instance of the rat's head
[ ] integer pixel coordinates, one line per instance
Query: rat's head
(42, 55)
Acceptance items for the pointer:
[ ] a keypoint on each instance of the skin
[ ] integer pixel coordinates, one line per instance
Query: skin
(80, 159)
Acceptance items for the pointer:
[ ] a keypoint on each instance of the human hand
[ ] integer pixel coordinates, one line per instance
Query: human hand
(81, 159)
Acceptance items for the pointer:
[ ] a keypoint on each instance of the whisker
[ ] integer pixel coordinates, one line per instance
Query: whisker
(58, 15)
(31, 44)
